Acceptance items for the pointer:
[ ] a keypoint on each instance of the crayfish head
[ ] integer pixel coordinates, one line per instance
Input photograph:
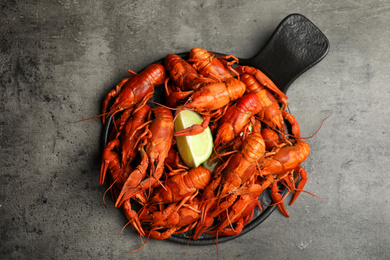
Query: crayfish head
(304, 150)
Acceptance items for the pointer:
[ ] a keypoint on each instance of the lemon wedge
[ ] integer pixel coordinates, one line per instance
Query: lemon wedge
(194, 149)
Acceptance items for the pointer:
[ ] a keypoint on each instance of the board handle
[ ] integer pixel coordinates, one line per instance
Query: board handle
(295, 46)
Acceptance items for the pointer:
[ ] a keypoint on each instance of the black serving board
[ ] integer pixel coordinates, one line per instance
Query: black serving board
(295, 46)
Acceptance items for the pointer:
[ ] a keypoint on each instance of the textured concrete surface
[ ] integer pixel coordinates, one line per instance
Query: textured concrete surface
(59, 58)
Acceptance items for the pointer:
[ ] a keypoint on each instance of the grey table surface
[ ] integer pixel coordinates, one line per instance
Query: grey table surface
(59, 59)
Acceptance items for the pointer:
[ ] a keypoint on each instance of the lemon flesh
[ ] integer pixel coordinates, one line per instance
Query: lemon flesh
(194, 149)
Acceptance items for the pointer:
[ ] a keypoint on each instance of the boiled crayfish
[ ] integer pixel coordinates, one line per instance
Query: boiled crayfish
(252, 147)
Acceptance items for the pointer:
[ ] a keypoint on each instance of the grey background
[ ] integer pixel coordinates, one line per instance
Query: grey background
(59, 58)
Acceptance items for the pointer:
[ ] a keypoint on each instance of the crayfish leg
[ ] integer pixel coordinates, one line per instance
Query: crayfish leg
(302, 172)
(109, 157)
(278, 199)
(134, 179)
(194, 129)
(132, 216)
(111, 94)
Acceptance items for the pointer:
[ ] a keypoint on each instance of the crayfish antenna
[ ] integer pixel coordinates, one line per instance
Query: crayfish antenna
(317, 129)
(188, 245)
(107, 190)
(140, 246)
(167, 107)
(89, 118)
(161, 105)
(216, 244)
(181, 108)
(308, 192)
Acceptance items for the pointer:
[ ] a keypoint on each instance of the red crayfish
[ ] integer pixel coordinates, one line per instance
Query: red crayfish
(257, 146)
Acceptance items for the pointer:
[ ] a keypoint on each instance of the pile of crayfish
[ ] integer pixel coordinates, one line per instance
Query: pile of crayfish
(257, 146)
